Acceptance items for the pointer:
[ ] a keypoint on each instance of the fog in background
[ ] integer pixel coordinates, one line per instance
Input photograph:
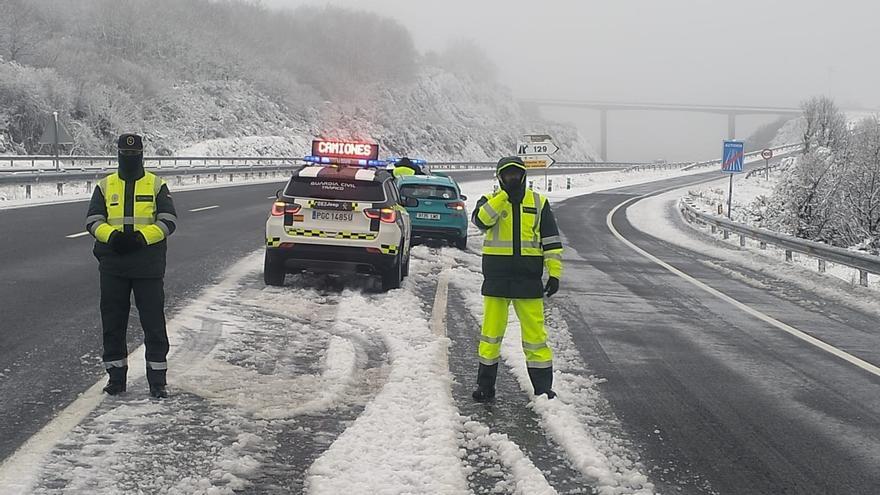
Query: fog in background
(752, 52)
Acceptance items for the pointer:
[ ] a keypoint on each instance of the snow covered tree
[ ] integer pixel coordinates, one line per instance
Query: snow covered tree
(861, 185)
(824, 124)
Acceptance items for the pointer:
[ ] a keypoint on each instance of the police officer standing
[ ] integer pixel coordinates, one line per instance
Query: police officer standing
(521, 239)
(130, 215)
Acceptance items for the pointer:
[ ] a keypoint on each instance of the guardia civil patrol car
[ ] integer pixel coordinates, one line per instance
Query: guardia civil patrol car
(340, 213)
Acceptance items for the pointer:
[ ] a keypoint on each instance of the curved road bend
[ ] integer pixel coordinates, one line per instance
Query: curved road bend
(717, 400)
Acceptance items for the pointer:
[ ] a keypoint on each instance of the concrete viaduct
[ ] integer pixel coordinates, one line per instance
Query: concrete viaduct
(603, 107)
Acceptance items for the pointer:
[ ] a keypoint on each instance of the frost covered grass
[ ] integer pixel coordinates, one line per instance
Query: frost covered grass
(749, 197)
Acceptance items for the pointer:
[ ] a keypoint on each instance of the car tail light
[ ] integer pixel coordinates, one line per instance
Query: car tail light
(279, 208)
(386, 215)
(456, 205)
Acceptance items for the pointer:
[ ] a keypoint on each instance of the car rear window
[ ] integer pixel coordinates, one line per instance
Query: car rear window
(428, 191)
(335, 188)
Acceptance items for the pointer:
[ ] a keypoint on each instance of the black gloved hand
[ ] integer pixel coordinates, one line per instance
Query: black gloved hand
(117, 242)
(127, 242)
(552, 286)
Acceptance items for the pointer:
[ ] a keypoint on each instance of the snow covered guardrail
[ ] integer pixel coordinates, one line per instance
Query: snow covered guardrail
(864, 263)
(754, 155)
(47, 162)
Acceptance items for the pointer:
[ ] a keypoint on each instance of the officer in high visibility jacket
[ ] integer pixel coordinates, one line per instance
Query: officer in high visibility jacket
(130, 215)
(405, 167)
(521, 240)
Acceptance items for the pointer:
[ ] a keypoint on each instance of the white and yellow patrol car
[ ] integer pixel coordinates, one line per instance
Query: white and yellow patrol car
(340, 213)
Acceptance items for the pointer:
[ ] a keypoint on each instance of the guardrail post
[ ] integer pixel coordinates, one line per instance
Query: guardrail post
(742, 240)
(726, 234)
(714, 229)
(198, 179)
(61, 189)
(568, 182)
(863, 278)
(788, 255)
(763, 245)
(531, 184)
(550, 185)
(27, 191)
(230, 177)
(821, 265)
(179, 180)
(215, 177)
(88, 185)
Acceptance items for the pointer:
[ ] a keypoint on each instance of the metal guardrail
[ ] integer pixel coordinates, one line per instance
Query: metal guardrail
(779, 150)
(47, 162)
(864, 263)
(29, 177)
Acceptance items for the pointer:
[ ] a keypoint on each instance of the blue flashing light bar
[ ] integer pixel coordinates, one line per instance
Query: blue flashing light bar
(326, 160)
(416, 161)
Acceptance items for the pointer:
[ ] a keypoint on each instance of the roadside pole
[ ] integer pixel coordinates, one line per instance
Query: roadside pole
(767, 154)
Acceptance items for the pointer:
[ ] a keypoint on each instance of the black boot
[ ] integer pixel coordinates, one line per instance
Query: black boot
(116, 384)
(156, 379)
(542, 381)
(485, 383)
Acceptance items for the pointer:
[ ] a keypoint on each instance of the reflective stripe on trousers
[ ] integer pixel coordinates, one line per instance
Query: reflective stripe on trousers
(530, 313)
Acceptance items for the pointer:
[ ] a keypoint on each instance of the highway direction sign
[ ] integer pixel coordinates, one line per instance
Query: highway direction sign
(538, 161)
(732, 157)
(542, 148)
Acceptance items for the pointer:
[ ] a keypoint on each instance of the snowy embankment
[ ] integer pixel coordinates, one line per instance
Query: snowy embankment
(748, 195)
(659, 216)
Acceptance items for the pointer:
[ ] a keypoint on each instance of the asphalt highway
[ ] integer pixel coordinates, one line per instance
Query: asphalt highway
(713, 399)
(717, 400)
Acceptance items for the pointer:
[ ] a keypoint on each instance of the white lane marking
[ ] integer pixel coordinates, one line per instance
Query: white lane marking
(204, 208)
(74, 236)
(870, 368)
(438, 316)
(20, 470)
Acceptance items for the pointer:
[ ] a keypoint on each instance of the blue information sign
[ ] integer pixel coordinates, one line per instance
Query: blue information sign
(732, 158)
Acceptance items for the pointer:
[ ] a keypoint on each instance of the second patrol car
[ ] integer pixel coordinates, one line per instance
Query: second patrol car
(340, 213)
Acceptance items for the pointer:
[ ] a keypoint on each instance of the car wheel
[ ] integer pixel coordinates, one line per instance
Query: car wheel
(392, 276)
(273, 272)
(461, 243)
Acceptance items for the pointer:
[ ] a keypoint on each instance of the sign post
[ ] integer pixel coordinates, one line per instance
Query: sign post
(732, 158)
(767, 154)
(55, 134)
(535, 151)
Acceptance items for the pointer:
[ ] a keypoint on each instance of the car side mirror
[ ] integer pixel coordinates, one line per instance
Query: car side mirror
(278, 194)
(463, 197)
(410, 202)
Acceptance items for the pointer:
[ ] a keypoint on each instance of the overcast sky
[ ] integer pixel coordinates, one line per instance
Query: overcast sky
(755, 52)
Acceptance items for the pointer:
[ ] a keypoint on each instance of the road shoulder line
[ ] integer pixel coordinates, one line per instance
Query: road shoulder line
(864, 365)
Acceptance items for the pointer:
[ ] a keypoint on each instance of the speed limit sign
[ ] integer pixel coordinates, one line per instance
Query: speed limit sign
(767, 154)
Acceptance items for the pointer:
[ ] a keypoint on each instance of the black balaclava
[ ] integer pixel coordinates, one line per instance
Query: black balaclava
(511, 174)
(131, 167)
(131, 156)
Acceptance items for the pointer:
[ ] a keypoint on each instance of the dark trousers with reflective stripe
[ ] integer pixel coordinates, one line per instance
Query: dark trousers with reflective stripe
(149, 296)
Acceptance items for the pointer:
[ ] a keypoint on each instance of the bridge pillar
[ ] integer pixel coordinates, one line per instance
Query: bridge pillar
(603, 134)
(731, 126)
